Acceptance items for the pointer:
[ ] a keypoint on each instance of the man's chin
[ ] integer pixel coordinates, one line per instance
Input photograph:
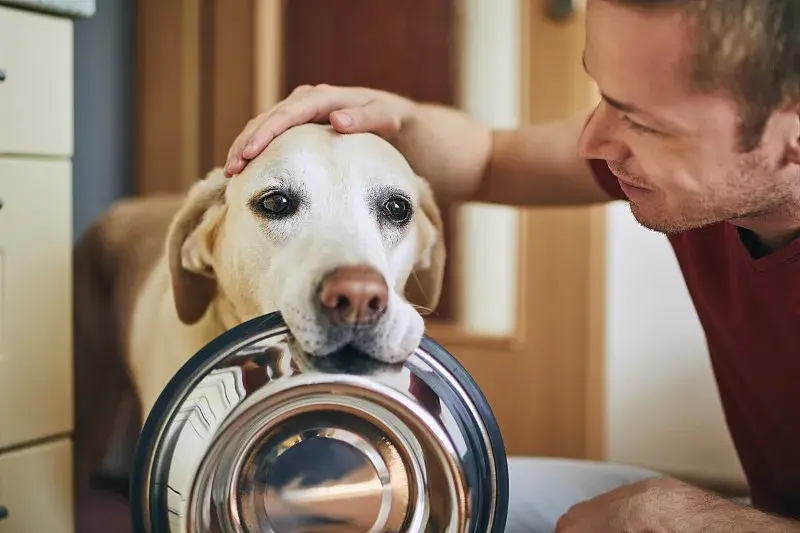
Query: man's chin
(659, 224)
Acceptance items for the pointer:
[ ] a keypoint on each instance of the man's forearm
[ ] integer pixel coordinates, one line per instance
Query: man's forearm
(448, 148)
(467, 161)
(539, 165)
(704, 512)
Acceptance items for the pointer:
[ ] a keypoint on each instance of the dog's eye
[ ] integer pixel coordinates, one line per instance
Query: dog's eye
(397, 209)
(276, 204)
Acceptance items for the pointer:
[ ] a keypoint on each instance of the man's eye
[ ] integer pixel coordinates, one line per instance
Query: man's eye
(276, 204)
(635, 126)
(397, 209)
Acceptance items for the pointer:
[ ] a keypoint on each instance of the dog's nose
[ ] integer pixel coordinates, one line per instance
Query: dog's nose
(354, 295)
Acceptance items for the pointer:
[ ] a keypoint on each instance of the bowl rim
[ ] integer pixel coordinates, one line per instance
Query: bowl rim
(225, 342)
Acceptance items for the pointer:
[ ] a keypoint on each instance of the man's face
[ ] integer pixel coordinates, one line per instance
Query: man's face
(676, 151)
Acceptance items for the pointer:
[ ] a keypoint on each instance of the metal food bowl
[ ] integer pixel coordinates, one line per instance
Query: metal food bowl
(254, 435)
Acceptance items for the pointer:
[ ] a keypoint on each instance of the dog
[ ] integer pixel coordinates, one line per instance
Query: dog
(334, 231)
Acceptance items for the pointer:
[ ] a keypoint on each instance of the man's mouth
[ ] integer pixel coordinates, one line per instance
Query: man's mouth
(630, 185)
(625, 181)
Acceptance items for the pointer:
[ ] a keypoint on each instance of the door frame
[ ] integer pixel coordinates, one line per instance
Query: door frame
(194, 88)
(555, 85)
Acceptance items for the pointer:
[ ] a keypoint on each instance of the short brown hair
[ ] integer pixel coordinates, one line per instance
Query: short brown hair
(748, 48)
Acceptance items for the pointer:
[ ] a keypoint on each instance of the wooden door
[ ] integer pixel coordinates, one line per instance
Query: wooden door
(193, 88)
(545, 381)
(407, 47)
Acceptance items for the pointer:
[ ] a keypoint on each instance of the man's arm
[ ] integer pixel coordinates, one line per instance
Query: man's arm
(667, 505)
(728, 516)
(461, 158)
(695, 510)
(533, 165)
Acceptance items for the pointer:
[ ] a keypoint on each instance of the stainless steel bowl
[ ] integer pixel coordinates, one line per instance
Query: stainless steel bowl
(254, 435)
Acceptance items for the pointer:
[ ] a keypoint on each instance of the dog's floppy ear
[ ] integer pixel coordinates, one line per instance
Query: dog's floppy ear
(424, 285)
(190, 244)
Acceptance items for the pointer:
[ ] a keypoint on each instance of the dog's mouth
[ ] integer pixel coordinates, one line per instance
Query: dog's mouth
(349, 359)
(353, 307)
(338, 336)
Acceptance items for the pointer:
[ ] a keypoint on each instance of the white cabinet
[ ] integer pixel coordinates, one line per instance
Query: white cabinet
(36, 110)
(36, 377)
(36, 488)
(35, 300)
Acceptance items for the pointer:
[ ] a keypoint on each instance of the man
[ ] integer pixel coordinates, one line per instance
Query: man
(699, 130)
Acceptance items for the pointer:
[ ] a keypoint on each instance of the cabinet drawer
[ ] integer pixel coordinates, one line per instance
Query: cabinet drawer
(36, 96)
(36, 489)
(35, 299)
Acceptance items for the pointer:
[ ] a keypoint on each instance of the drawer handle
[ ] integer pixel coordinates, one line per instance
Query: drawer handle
(3, 512)
(2, 75)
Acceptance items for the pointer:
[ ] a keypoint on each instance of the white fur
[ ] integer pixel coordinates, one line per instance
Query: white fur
(261, 265)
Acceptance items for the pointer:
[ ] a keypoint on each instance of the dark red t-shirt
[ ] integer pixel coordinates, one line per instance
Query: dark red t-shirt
(749, 307)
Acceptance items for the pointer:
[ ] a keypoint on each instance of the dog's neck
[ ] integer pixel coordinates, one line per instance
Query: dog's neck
(228, 315)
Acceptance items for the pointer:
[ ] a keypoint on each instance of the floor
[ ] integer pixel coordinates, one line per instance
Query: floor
(106, 509)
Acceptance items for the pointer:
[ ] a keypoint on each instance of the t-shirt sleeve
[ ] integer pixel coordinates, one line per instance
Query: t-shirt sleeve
(606, 179)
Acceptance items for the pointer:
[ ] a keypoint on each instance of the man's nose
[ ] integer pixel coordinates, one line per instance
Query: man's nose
(598, 139)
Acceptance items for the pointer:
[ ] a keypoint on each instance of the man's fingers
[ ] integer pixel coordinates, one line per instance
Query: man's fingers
(234, 167)
(347, 109)
(373, 117)
(308, 106)
(234, 162)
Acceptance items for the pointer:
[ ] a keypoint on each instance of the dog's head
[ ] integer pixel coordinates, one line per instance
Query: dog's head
(335, 231)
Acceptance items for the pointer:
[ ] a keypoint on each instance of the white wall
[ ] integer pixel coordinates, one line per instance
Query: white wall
(490, 82)
(103, 69)
(663, 407)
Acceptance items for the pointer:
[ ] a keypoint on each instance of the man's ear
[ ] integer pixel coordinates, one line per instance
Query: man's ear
(424, 285)
(190, 246)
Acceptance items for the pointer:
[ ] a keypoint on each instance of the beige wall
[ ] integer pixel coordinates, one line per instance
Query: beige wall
(490, 84)
(662, 403)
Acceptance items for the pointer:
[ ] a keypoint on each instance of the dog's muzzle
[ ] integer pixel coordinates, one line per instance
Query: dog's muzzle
(354, 295)
(252, 435)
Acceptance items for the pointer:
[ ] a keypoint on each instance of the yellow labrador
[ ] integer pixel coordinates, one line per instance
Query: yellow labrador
(334, 231)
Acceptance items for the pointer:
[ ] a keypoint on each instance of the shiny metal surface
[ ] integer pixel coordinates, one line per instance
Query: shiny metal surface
(256, 436)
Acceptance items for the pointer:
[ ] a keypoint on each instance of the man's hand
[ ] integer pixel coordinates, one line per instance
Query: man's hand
(347, 109)
(666, 505)
(620, 510)
(442, 144)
